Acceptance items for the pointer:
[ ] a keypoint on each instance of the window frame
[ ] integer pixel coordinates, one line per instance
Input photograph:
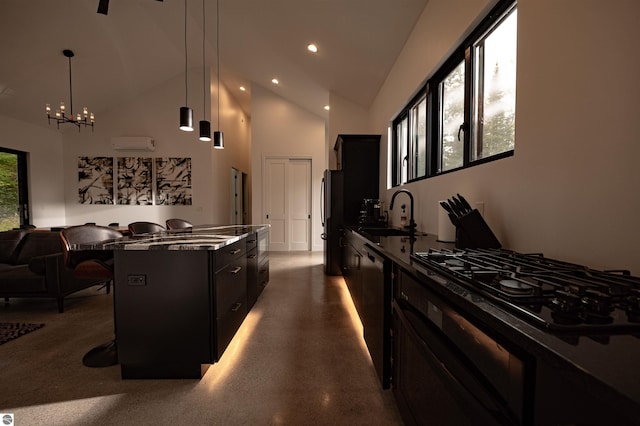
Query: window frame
(432, 89)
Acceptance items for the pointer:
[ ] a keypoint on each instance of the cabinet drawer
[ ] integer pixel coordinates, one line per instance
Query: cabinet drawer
(252, 242)
(230, 253)
(263, 274)
(228, 324)
(231, 287)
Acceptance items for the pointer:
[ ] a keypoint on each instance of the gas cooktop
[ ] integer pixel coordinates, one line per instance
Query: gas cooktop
(552, 294)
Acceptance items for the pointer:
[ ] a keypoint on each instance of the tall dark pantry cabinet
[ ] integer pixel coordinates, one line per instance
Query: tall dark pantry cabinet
(357, 177)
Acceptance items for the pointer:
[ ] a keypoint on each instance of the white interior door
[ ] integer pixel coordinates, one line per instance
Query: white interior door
(287, 200)
(300, 204)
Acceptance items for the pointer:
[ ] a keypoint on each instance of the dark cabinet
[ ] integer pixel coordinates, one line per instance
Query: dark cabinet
(352, 269)
(177, 310)
(230, 294)
(257, 265)
(376, 311)
(367, 274)
(358, 156)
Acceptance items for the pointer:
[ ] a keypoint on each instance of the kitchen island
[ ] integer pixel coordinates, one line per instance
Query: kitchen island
(181, 295)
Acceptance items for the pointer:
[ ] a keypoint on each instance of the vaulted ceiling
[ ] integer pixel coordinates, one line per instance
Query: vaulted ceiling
(140, 44)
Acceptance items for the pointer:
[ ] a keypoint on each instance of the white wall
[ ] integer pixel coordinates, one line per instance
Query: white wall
(46, 181)
(280, 128)
(345, 117)
(570, 191)
(156, 114)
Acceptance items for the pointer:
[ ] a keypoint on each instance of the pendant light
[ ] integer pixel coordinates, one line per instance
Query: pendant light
(205, 125)
(186, 113)
(218, 136)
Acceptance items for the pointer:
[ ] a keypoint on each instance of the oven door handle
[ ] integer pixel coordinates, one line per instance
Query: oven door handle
(475, 394)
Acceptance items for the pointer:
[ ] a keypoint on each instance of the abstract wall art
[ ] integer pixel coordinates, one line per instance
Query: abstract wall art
(95, 180)
(173, 181)
(135, 178)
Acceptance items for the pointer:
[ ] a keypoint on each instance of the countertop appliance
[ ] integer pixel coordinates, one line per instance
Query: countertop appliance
(552, 294)
(372, 214)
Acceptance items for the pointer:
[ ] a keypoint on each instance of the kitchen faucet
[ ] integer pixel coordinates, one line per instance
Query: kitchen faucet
(412, 223)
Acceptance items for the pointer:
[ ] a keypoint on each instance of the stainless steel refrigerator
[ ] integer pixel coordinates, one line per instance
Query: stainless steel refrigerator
(331, 216)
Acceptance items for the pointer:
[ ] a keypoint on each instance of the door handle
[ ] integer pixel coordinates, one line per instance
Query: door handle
(236, 306)
(235, 270)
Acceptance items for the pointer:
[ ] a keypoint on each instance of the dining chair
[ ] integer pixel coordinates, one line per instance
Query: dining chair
(137, 228)
(178, 224)
(92, 264)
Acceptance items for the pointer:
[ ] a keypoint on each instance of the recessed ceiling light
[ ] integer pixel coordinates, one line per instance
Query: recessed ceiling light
(327, 107)
(275, 81)
(312, 48)
(242, 89)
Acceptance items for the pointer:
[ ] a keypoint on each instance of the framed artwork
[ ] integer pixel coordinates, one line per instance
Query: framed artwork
(135, 178)
(173, 181)
(95, 180)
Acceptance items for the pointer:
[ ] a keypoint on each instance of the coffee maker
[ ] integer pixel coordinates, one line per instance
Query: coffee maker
(372, 214)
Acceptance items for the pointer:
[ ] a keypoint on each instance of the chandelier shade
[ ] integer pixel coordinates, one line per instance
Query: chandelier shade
(61, 116)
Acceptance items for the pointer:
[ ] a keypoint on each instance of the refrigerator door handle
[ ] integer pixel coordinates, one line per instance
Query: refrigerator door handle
(323, 191)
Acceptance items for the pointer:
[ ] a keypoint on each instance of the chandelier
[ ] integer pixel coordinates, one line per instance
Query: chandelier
(85, 118)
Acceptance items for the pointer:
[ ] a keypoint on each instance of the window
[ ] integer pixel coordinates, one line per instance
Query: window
(401, 137)
(465, 114)
(494, 100)
(14, 208)
(410, 142)
(451, 119)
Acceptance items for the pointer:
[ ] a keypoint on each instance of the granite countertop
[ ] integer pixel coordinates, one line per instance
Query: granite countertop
(608, 362)
(200, 237)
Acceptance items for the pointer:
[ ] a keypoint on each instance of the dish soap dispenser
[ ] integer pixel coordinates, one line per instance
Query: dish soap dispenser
(403, 216)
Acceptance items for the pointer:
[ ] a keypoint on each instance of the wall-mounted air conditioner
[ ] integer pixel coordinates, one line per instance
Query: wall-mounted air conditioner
(133, 143)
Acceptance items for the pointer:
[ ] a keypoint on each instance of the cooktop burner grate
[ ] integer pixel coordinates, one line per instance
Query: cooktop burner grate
(557, 295)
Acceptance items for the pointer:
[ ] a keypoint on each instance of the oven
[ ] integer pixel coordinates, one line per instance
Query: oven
(564, 353)
(447, 369)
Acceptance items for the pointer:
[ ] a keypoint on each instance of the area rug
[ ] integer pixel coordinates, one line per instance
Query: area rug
(13, 330)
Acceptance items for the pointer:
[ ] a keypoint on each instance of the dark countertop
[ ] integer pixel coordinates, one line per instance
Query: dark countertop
(607, 364)
(200, 237)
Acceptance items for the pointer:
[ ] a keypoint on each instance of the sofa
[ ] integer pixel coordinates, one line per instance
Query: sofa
(32, 265)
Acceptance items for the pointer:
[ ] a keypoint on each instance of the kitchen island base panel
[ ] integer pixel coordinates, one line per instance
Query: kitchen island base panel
(163, 371)
(163, 313)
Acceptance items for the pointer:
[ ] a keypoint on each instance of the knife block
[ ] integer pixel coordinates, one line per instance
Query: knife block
(473, 232)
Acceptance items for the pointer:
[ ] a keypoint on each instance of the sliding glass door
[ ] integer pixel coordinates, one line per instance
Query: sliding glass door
(14, 196)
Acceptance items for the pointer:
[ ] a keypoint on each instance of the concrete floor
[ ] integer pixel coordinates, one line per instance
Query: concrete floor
(298, 359)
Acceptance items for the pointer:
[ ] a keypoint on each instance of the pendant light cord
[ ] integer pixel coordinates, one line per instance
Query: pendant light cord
(186, 87)
(218, 55)
(204, 79)
(70, 90)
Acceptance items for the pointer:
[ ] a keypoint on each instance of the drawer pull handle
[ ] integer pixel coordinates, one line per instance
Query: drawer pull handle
(235, 307)
(251, 241)
(236, 270)
(235, 251)
(252, 256)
